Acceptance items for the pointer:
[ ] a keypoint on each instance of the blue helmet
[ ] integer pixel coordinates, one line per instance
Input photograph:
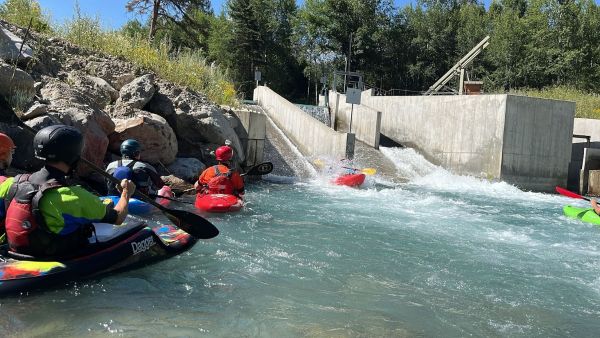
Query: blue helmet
(130, 148)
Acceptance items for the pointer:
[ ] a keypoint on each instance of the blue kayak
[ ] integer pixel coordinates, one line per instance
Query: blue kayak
(136, 207)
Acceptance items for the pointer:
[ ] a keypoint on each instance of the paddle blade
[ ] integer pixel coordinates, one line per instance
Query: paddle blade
(369, 171)
(568, 193)
(319, 163)
(261, 169)
(191, 223)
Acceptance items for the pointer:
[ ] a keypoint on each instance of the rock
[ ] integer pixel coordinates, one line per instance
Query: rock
(96, 89)
(138, 92)
(21, 84)
(95, 140)
(23, 139)
(187, 168)
(161, 104)
(158, 140)
(176, 183)
(71, 107)
(65, 99)
(205, 124)
(10, 45)
(116, 72)
(38, 109)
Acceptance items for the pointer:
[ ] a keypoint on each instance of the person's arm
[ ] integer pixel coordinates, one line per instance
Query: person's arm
(201, 183)
(595, 206)
(122, 208)
(238, 184)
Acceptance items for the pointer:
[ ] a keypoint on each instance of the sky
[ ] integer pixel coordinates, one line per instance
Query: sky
(112, 13)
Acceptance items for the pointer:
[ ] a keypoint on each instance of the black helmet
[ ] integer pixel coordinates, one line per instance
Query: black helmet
(58, 143)
(130, 148)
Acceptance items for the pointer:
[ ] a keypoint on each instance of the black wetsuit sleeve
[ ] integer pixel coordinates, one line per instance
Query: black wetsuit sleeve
(111, 215)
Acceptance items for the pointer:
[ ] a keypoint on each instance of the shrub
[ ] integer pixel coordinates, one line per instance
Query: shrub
(587, 104)
(21, 12)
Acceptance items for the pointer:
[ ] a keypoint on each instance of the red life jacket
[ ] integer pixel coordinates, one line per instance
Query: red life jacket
(221, 183)
(26, 230)
(2, 212)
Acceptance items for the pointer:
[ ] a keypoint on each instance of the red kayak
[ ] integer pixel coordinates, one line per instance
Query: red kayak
(218, 202)
(351, 180)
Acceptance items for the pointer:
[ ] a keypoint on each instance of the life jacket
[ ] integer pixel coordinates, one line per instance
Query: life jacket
(3, 211)
(26, 229)
(221, 183)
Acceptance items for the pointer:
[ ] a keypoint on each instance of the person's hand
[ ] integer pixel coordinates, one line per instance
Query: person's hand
(127, 187)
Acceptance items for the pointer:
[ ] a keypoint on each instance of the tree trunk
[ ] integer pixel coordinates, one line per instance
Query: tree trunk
(154, 19)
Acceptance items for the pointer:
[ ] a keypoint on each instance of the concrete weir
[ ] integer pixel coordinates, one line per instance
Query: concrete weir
(312, 137)
(524, 141)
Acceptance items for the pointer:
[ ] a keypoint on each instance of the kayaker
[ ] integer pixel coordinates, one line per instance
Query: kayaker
(47, 217)
(130, 167)
(7, 149)
(220, 178)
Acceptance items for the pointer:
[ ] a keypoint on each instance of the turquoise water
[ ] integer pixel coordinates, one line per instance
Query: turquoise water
(443, 256)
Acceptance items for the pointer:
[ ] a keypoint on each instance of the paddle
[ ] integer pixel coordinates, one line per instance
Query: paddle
(191, 223)
(169, 198)
(259, 169)
(571, 194)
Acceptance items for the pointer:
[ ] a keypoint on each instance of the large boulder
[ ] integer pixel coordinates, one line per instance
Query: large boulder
(186, 168)
(15, 82)
(64, 98)
(159, 143)
(100, 92)
(161, 103)
(116, 71)
(138, 92)
(200, 123)
(71, 107)
(12, 49)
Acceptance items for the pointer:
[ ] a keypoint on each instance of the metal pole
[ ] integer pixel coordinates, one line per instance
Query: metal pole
(351, 112)
(350, 54)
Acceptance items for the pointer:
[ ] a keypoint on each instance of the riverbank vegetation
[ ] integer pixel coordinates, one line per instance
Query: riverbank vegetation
(187, 67)
(544, 48)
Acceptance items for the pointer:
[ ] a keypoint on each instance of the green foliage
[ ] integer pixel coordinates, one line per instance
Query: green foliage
(587, 104)
(21, 12)
(187, 68)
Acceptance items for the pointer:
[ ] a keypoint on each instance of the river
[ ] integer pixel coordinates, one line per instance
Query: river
(439, 256)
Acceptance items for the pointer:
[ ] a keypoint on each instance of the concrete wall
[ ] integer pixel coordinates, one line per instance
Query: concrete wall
(537, 142)
(254, 122)
(524, 141)
(312, 137)
(366, 122)
(589, 127)
(460, 133)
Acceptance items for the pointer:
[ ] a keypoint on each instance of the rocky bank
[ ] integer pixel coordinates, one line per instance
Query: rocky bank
(109, 100)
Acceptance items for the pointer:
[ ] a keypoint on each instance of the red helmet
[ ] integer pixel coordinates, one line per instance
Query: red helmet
(6, 144)
(224, 153)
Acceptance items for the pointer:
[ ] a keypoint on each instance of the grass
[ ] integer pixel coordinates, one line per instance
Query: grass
(187, 68)
(587, 104)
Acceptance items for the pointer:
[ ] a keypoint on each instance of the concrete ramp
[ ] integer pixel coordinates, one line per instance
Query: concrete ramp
(311, 137)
